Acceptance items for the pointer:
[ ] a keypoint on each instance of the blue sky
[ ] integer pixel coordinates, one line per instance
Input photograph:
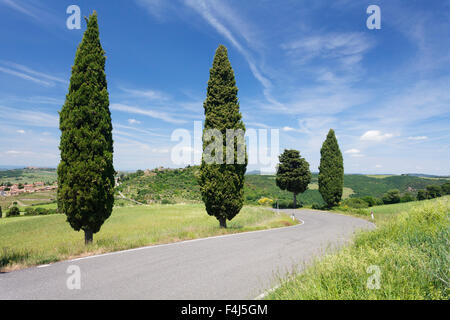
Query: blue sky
(301, 66)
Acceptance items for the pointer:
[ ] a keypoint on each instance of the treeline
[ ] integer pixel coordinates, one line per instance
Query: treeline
(14, 211)
(395, 196)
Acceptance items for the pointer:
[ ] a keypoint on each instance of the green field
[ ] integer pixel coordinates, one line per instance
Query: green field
(410, 250)
(28, 176)
(33, 240)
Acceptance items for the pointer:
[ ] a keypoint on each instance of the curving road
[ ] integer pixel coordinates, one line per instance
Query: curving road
(240, 266)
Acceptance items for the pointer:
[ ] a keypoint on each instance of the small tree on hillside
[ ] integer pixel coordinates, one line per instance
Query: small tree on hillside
(392, 196)
(422, 195)
(434, 191)
(445, 188)
(331, 171)
(86, 172)
(293, 173)
(222, 180)
(1, 214)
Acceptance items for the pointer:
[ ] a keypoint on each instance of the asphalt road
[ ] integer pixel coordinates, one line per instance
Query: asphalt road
(240, 266)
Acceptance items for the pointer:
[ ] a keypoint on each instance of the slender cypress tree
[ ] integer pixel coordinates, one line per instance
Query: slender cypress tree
(331, 171)
(222, 183)
(86, 172)
(293, 173)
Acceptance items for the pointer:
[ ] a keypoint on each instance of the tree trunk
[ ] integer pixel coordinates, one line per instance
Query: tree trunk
(295, 201)
(223, 222)
(88, 236)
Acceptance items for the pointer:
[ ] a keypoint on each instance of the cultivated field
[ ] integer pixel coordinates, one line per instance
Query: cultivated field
(33, 240)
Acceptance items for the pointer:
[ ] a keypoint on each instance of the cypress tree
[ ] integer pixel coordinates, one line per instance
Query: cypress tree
(86, 172)
(331, 171)
(293, 173)
(222, 183)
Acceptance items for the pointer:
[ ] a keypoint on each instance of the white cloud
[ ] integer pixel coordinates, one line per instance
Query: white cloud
(378, 166)
(375, 135)
(352, 151)
(133, 121)
(288, 129)
(418, 138)
(21, 131)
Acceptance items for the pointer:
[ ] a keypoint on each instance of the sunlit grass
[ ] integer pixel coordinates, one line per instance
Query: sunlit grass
(411, 250)
(32, 240)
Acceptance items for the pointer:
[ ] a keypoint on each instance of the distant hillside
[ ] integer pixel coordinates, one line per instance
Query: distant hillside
(28, 175)
(180, 185)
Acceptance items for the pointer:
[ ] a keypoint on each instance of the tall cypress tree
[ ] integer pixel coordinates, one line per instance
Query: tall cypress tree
(222, 184)
(331, 171)
(86, 172)
(293, 173)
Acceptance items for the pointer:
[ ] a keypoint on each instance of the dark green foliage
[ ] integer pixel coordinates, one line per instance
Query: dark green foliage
(392, 196)
(372, 201)
(407, 197)
(86, 172)
(434, 191)
(293, 173)
(356, 203)
(286, 204)
(39, 211)
(13, 212)
(363, 185)
(1, 214)
(331, 171)
(445, 188)
(222, 184)
(422, 195)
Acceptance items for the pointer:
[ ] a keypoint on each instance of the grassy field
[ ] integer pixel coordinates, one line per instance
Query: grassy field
(411, 251)
(387, 211)
(34, 240)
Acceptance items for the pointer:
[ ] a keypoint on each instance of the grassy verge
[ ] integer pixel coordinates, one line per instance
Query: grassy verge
(411, 251)
(34, 240)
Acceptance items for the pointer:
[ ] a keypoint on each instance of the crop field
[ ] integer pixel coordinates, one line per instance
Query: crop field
(33, 240)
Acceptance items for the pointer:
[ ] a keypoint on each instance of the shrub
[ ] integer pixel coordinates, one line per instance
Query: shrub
(356, 203)
(13, 212)
(372, 201)
(392, 196)
(407, 197)
(265, 201)
(30, 212)
(167, 201)
(434, 191)
(422, 195)
(285, 204)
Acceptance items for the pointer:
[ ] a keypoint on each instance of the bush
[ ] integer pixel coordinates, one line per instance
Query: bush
(167, 201)
(30, 212)
(434, 191)
(13, 212)
(285, 204)
(407, 197)
(422, 195)
(265, 201)
(372, 201)
(356, 203)
(392, 196)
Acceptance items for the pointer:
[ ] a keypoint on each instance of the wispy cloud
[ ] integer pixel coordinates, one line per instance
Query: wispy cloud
(27, 73)
(147, 94)
(146, 112)
(27, 117)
